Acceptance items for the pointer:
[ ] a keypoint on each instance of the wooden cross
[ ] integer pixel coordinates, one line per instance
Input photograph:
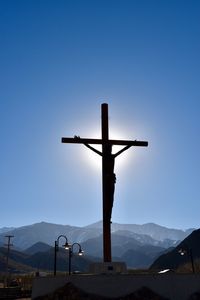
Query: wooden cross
(108, 175)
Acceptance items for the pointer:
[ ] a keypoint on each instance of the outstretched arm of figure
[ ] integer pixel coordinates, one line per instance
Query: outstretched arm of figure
(93, 149)
(121, 151)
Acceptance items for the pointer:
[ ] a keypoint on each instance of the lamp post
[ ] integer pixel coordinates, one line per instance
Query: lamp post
(71, 251)
(188, 251)
(56, 249)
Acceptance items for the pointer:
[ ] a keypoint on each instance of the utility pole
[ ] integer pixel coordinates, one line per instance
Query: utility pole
(8, 245)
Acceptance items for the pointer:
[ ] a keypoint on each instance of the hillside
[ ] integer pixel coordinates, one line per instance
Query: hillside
(133, 252)
(175, 261)
(26, 236)
(38, 247)
(20, 262)
(17, 262)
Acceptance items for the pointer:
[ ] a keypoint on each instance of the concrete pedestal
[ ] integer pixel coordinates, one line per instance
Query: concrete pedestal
(108, 268)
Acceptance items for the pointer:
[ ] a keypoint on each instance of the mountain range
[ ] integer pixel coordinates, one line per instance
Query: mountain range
(137, 245)
(149, 233)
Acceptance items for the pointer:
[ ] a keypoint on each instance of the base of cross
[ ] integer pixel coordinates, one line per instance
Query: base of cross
(115, 267)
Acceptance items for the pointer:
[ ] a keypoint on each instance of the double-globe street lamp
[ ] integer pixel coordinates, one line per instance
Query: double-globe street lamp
(67, 246)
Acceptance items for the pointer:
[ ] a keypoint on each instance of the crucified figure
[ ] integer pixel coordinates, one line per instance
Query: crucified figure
(109, 177)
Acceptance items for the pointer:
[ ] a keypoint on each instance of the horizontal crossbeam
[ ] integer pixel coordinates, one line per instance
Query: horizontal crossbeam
(77, 140)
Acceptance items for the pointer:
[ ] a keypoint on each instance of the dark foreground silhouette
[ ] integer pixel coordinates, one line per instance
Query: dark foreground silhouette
(71, 292)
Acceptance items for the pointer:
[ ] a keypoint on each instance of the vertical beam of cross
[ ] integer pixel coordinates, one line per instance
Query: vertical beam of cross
(106, 154)
(108, 175)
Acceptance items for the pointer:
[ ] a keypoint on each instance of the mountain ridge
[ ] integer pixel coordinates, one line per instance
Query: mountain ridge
(150, 233)
(138, 250)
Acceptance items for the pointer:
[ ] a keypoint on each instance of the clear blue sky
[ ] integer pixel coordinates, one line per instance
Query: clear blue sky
(59, 60)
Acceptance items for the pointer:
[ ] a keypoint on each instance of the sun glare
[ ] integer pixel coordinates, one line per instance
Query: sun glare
(95, 160)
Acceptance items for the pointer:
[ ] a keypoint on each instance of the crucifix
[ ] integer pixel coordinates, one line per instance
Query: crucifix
(108, 175)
